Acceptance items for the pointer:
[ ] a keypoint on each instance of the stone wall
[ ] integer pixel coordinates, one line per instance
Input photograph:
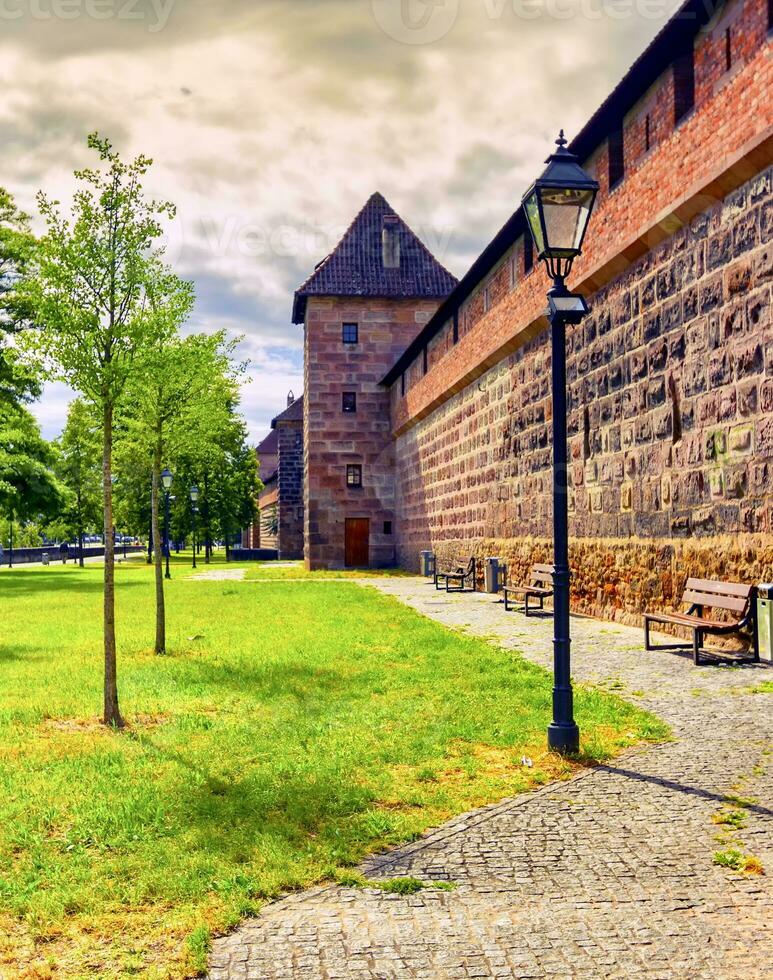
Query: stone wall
(670, 423)
(334, 439)
(290, 489)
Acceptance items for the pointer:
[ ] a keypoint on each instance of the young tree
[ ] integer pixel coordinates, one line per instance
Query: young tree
(101, 296)
(216, 453)
(181, 382)
(78, 467)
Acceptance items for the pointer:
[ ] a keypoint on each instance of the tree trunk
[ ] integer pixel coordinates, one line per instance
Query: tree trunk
(158, 553)
(112, 715)
(80, 528)
(207, 538)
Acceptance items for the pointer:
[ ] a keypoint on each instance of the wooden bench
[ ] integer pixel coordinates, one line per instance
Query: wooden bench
(730, 597)
(540, 587)
(458, 575)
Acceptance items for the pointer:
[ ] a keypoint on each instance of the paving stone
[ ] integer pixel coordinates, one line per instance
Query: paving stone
(607, 875)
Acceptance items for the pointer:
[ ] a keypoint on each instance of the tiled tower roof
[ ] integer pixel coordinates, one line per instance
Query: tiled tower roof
(356, 265)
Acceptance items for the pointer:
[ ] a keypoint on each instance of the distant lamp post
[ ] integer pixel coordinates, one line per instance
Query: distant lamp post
(10, 539)
(558, 206)
(194, 495)
(166, 480)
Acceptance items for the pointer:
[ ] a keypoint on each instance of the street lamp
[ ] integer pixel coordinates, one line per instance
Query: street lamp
(166, 480)
(194, 495)
(558, 206)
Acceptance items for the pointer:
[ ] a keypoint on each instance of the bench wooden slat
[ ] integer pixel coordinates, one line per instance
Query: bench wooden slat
(719, 588)
(547, 569)
(732, 597)
(731, 603)
(684, 619)
(523, 589)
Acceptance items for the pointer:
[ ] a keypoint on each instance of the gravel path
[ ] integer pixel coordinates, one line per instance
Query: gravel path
(608, 875)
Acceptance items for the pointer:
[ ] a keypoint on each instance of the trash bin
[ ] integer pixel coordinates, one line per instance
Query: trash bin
(765, 621)
(427, 563)
(44, 558)
(491, 575)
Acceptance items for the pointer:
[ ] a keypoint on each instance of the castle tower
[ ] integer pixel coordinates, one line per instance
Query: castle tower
(360, 309)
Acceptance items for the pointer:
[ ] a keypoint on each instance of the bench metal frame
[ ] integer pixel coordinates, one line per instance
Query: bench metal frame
(698, 593)
(539, 573)
(459, 575)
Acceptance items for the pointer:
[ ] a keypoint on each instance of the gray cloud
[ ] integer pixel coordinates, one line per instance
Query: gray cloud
(272, 122)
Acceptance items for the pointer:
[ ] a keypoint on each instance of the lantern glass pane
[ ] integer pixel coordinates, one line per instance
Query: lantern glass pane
(531, 207)
(566, 211)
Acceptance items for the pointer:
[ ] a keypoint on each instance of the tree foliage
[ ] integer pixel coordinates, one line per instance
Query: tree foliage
(101, 296)
(28, 488)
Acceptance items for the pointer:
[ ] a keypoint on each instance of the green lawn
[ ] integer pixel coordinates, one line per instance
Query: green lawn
(292, 728)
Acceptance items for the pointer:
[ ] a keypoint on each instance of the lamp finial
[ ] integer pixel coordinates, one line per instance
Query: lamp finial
(561, 141)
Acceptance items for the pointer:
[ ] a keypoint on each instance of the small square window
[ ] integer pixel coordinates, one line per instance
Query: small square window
(349, 401)
(387, 527)
(351, 333)
(354, 475)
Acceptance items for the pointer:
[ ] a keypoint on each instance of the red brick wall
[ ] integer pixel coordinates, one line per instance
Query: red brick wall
(723, 142)
(333, 439)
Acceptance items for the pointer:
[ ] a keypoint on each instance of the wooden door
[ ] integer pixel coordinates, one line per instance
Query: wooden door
(357, 542)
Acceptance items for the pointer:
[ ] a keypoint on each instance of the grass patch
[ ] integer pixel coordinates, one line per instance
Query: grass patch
(286, 734)
(730, 818)
(399, 886)
(736, 860)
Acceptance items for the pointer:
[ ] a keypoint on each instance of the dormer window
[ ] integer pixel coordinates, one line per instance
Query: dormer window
(351, 333)
(349, 401)
(390, 241)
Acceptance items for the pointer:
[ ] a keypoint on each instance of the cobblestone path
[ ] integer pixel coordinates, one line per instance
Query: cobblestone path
(607, 875)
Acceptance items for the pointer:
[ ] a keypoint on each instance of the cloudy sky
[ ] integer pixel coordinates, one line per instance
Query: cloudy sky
(272, 121)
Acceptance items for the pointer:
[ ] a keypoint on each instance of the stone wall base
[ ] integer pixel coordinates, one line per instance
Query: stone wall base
(618, 579)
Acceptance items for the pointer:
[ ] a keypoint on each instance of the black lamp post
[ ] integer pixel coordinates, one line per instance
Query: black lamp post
(166, 480)
(194, 495)
(557, 207)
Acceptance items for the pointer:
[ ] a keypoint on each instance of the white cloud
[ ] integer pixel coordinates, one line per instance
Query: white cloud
(271, 123)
